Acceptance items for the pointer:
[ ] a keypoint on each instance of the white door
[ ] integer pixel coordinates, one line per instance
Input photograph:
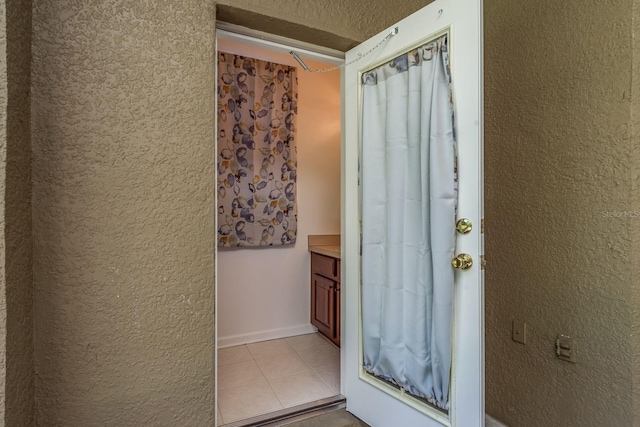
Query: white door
(368, 398)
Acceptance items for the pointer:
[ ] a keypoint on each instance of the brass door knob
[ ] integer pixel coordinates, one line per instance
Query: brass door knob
(462, 261)
(464, 226)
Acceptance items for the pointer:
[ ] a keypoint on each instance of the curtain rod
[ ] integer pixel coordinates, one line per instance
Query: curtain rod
(284, 44)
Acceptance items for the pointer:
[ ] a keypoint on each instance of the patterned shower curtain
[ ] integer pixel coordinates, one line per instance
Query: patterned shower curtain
(257, 108)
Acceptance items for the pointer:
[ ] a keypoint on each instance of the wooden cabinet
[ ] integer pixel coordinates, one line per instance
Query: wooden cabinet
(325, 296)
(323, 307)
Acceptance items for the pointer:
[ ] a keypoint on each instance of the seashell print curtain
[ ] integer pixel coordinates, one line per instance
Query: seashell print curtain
(409, 197)
(257, 108)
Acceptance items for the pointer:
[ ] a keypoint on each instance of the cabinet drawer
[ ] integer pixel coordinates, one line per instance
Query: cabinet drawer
(325, 266)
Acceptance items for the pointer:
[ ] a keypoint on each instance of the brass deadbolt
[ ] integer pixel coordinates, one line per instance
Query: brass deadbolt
(463, 226)
(462, 262)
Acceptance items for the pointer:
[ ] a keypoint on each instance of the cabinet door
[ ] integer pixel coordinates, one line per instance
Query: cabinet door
(323, 304)
(336, 335)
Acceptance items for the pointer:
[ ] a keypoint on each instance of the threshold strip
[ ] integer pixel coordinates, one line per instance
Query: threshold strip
(306, 410)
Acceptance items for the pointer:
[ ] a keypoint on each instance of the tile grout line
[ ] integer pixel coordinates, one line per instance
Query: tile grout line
(253, 359)
(314, 370)
(220, 414)
(246, 384)
(326, 341)
(270, 386)
(268, 381)
(311, 369)
(227, 364)
(296, 353)
(284, 376)
(252, 383)
(323, 380)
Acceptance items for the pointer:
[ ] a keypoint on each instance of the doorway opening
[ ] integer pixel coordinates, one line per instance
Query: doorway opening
(270, 361)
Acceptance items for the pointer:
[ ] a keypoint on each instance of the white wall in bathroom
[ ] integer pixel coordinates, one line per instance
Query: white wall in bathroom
(263, 293)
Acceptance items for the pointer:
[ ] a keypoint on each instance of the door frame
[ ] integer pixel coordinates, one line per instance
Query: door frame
(274, 43)
(346, 245)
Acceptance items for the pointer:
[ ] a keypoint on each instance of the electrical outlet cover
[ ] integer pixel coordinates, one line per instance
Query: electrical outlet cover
(566, 348)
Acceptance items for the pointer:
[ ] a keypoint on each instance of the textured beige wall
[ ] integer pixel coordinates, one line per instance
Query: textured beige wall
(336, 24)
(3, 159)
(19, 292)
(635, 207)
(557, 159)
(123, 172)
(123, 212)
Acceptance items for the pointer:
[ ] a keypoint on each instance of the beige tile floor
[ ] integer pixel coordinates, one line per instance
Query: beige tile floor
(264, 377)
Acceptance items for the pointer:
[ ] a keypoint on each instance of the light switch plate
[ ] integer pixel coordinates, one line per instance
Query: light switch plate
(519, 331)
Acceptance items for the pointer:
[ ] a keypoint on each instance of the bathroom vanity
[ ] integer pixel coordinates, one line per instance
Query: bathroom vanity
(325, 285)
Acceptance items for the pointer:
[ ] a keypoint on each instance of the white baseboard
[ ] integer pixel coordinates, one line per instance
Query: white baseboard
(489, 421)
(271, 334)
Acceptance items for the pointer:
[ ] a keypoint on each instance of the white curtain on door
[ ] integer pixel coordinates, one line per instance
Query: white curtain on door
(408, 205)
